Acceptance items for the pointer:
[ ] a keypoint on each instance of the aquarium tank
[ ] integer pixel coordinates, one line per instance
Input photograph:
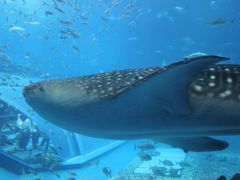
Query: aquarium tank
(119, 89)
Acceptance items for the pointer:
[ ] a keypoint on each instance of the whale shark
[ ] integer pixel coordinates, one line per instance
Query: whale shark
(180, 104)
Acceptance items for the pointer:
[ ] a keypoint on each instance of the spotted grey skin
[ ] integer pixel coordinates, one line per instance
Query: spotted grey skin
(219, 81)
(189, 98)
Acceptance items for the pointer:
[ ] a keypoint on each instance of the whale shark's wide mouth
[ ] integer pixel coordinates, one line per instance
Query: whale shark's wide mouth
(31, 90)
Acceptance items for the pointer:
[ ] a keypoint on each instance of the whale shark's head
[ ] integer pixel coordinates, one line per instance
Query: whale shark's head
(43, 93)
(57, 100)
(45, 97)
(56, 93)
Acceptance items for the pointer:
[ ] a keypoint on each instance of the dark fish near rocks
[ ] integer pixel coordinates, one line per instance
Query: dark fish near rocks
(216, 22)
(167, 162)
(159, 171)
(145, 157)
(145, 147)
(107, 172)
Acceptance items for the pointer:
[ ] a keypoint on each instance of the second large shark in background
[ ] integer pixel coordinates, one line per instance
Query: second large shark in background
(180, 104)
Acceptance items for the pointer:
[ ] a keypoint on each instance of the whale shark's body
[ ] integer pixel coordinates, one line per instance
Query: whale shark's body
(180, 103)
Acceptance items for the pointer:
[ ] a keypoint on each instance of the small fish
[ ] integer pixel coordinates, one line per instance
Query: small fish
(61, 1)
(145, 157)
(94, 39)
(216, 22)
(16, 29)
(179, 9)
(167, 163)
(58, 175)
(66, 22)
(75, 34)
(154, 153)
(63, 37)
(27, 55)
(174, 172)
(63, 32)
(75, 48)
(71, 178)
(132, 39)
(33, 23)
(53, 49)
(159, 171)
(45, 4)
(115, 3)
(107, 11)
(4, 58)
(46, 37)
(47, 13)
(5, 46)
(59, 10)
(77, 9)
(145, 147)
(107, 172)
(84, 23)
(26, 35)
(104, 18)
(72, 174)
(83, 17)
(184, 164)
(233, 20)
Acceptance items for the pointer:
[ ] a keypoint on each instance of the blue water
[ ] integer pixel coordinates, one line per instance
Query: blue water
(114, 34)
(162, 34)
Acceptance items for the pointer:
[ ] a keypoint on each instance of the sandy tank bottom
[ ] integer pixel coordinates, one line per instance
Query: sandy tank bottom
(197, 166)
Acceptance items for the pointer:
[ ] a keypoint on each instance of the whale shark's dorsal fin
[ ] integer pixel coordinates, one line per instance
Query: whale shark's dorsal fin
(168, 87)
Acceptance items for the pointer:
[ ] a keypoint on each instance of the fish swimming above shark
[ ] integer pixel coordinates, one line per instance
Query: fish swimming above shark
(180, 104)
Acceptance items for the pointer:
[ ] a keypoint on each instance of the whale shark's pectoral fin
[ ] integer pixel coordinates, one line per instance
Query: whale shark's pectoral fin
(168, 88)
(196, 144)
